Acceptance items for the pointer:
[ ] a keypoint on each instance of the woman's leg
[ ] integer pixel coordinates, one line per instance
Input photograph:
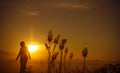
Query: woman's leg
(20, 69)
(21, 66)
(24, 64)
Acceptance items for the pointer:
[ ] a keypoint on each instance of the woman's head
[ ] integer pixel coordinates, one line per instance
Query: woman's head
(22, 43)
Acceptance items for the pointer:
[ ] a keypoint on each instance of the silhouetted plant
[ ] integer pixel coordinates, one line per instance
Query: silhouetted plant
(42, 68)
(61, 47)
(110, 68)
(49, 55)
(52, 55)
(84, 54)
(29, 69)
(65, 54)
(56, 42)
(70, 58)
(50, 36)
(69, 63)
(78, 70)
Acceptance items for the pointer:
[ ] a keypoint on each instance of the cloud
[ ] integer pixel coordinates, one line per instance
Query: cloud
(32, 13)
(29, 12)
(70, 6)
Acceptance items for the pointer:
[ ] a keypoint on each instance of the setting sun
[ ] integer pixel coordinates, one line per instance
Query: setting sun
(32, 48)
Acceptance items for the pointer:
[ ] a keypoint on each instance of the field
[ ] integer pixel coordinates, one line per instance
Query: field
(92, 66)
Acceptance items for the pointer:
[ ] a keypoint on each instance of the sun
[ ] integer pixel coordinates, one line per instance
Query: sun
(32, 48)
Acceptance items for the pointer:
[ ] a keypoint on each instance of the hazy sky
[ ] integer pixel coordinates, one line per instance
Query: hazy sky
(91, 23)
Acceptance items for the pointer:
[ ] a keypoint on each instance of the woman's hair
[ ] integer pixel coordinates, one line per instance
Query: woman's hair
(22, 43)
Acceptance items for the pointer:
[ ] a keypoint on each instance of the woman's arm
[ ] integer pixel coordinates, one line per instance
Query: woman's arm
(28, 54)
(18, 55)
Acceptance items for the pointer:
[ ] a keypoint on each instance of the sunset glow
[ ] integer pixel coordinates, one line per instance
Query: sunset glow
(82, 22)
(32, 47)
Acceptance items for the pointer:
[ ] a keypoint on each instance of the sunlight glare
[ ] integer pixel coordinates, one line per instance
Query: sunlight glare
(32, 48)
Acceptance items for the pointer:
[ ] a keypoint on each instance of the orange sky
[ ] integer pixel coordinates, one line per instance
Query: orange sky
(88, 23)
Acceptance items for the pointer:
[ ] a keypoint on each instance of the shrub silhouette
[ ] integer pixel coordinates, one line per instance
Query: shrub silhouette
(110, 68)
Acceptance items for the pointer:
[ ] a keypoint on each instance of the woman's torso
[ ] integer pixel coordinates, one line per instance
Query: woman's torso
(23, 51)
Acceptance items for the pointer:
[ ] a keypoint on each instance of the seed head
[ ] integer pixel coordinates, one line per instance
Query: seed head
(71, 56)
(62, 44)
(57, 39)
(50, 36)
(54, 56)
(66, 50)
(85, 52)
(64, 41)
(47, 47)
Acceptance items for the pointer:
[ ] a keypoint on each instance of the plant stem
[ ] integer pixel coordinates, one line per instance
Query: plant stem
(83, 65)
(49, 65)
(54, 48)
(60, 67)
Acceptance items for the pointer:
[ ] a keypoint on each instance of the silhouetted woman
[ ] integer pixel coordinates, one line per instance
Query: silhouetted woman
(23, 54)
